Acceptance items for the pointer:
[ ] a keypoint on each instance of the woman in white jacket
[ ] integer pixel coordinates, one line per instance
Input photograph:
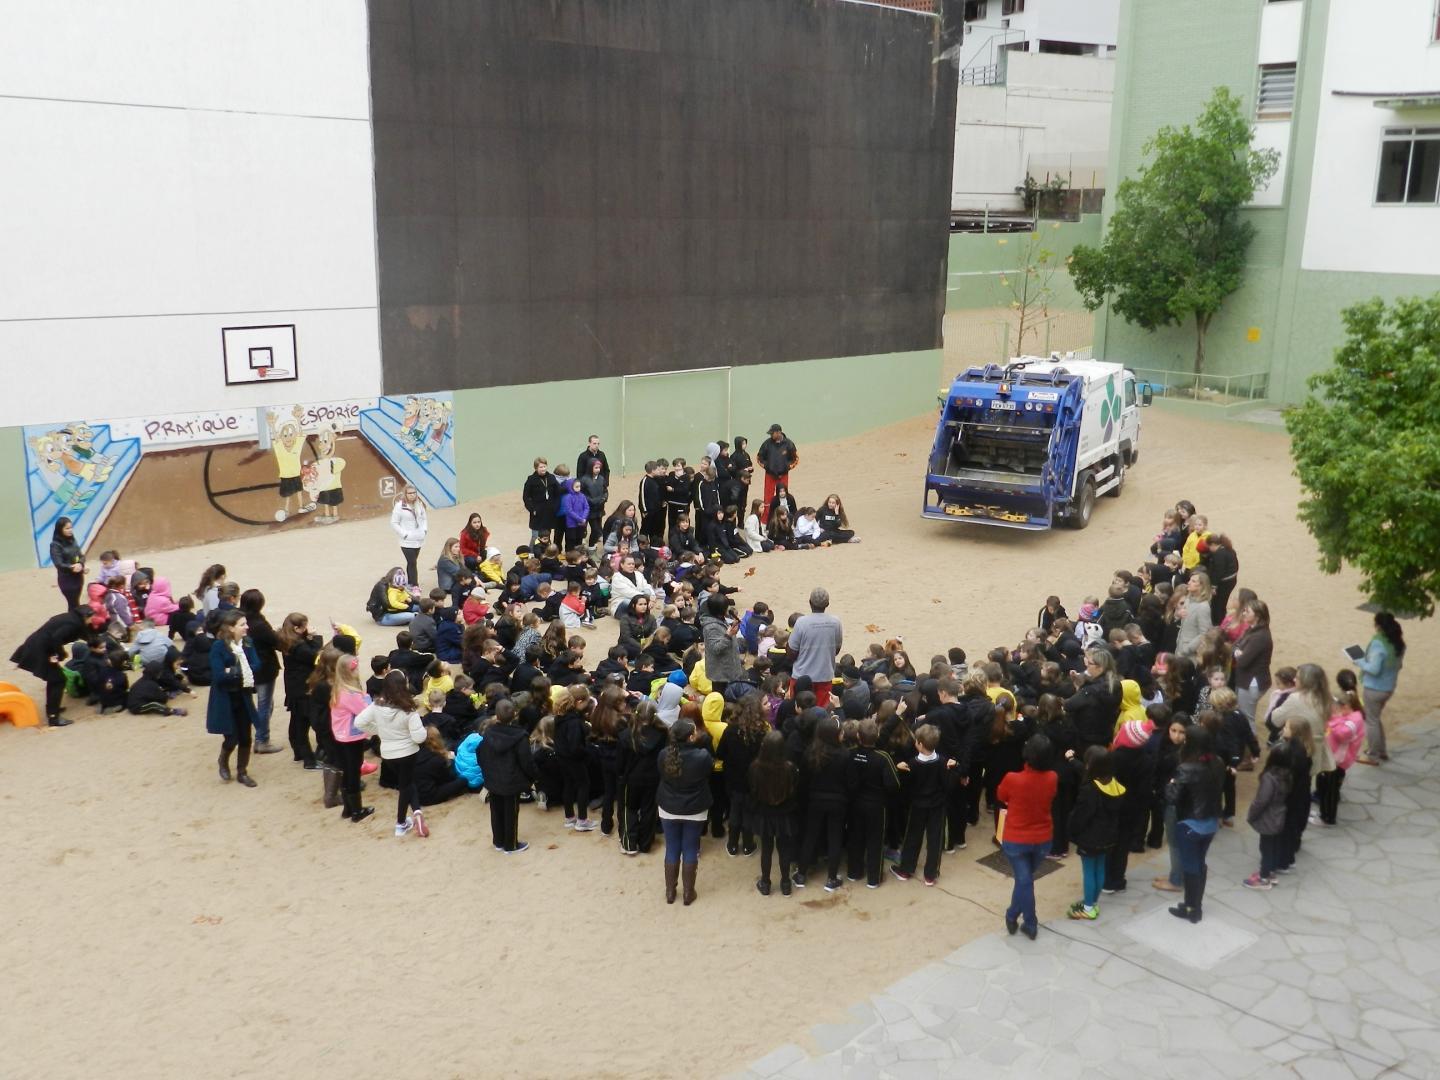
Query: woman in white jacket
(392, 716)
(410, 523)
(626, 584)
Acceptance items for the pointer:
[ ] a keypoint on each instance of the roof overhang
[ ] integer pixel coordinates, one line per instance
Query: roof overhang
(1396, 100)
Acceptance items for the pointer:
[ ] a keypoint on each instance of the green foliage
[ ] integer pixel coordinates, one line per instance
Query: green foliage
(1175, 245)
(1367, 452)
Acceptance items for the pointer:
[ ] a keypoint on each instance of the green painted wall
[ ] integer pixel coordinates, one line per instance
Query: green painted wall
(17, 547)
(1296, 311)
(977, 260)
(500, 430)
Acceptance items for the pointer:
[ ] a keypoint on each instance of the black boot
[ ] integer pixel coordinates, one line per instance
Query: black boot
(242, 765)
(224, 762)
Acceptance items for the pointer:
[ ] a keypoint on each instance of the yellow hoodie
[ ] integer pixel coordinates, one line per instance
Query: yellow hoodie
(1130, 707)
(1113, 787)
(712, 713)
(1190, 553)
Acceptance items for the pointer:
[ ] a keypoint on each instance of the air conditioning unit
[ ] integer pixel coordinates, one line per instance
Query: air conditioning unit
(1004, 24)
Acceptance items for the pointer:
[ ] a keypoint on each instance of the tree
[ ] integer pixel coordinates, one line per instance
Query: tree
(1367, 452)
(1175, 245)
(1028, 289)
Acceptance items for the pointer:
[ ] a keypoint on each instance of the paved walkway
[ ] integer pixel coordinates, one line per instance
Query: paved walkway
(1333, 974)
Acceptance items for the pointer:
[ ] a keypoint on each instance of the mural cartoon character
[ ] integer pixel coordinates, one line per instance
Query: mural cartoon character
(287, 439)
(328, 468)
(69, 465)
(439, 425)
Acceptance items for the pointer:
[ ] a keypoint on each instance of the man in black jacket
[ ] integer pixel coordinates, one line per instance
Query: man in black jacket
(592, 452)
(777, 456)
(505, 761)
(651, 502)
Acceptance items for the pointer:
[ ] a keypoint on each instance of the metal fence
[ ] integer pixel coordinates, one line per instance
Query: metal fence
(1211, 389)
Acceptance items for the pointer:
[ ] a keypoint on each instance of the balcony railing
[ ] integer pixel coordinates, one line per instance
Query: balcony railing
(1205, 388)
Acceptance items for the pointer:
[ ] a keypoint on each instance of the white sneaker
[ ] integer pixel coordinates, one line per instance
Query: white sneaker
(586, 825)
(404, 827)
(570, 823)
(541, 801)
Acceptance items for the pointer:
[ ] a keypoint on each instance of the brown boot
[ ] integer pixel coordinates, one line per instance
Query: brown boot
(672, 875)
(687, 875)
(225, 761)
(242, 766)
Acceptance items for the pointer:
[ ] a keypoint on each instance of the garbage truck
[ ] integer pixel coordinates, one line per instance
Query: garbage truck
(1034, 443)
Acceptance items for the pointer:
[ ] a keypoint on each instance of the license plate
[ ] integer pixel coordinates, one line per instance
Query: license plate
(1008, 406)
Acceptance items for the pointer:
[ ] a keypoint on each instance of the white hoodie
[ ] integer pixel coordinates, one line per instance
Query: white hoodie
(401, 733)
(409, 523)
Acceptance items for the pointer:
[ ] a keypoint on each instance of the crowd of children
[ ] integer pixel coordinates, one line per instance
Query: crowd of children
(1120, 729)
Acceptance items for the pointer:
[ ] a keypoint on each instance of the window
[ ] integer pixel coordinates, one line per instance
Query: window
(1276, 99)
(1409, 166)
(1011, 7)
(975, 9)
(1129, 393)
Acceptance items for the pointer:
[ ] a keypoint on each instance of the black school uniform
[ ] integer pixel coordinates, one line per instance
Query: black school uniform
(775, 824)
(736, 753)
(873, 780)
(926, 784)
(827, 798)
(638, 766)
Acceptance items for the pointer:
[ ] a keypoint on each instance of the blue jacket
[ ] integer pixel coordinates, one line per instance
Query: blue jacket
(466, 765)
(1380, 667)
(447, 640)
(225, 688)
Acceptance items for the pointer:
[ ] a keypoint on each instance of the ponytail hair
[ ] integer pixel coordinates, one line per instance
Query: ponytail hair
(680, 734)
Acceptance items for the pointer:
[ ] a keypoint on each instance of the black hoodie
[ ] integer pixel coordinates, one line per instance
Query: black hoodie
(505, 761)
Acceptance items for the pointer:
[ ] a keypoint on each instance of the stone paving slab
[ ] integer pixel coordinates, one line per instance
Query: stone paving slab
(1334, 974)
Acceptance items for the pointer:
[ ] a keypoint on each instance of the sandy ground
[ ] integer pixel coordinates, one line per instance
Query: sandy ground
(163, 924)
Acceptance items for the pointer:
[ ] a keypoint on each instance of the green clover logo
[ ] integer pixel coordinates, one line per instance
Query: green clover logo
(1110, 407)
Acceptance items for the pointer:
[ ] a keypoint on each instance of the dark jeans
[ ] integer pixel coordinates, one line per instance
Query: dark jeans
(1025, 860)
(867, 840)
(609, 761)
(575, 794)
(682, 840)
(403, 771)
(412, 571)
(300, 735)
(1327, 786)
(1060, 809)
(505, 821)
(1193, 847)
(574, 536)
(1270, 847)
(926, 823)
(596, 521)
(1228, 810)
(719, 804)
(771, 837)
(54, 690)
(240, 733)
(352, 756)
(828, 820)
(1117, 861)
(637, 822)
(71, 586)
(739, 834)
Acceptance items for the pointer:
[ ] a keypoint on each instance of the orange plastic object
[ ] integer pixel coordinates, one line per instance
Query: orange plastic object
(16, 706)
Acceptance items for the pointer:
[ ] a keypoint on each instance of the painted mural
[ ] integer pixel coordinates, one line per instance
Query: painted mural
(151, 482)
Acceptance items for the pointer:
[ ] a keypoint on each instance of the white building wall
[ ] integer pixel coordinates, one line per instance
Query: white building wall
(173, 168)
(1052, 116)
(1088, 22)
(1281, 24)
(1384, 46)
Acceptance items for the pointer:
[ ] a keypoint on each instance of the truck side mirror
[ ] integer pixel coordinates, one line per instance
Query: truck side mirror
(1147, 394)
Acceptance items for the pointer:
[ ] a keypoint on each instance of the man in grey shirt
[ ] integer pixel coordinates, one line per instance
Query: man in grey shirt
(814, 644)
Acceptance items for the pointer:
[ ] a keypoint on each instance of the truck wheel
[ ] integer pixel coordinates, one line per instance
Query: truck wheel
(1114, 492)
(1084, 505)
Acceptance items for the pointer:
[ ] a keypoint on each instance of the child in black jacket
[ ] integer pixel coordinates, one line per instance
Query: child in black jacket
(148, 696)
(873, 780)
(404, 657)
(826, 767)
(505, 759)
(1095, 827)
(638, 768)
(930, 776)
(573, 757)
(1234, 738)
(773, 783)
(109, 682)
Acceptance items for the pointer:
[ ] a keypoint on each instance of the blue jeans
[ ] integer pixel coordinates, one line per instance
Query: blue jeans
(1193, 846)
(1092, 869)
(264, 703)
(396, 618)
(682, 840)
(1025, 860)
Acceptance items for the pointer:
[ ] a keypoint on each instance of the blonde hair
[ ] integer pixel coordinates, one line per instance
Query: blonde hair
(347, 678)
(1223, 699)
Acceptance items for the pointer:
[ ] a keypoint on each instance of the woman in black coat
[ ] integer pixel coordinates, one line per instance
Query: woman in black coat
(684, 800)
(266, 643)
(1224, 567)
(43, 652)
(68, 560)
(541, 496)
(300, 649)
(1095, 705)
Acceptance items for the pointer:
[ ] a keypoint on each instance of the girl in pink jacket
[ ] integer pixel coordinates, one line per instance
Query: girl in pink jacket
(1344, 732)
(160, 605)
(347, 701)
